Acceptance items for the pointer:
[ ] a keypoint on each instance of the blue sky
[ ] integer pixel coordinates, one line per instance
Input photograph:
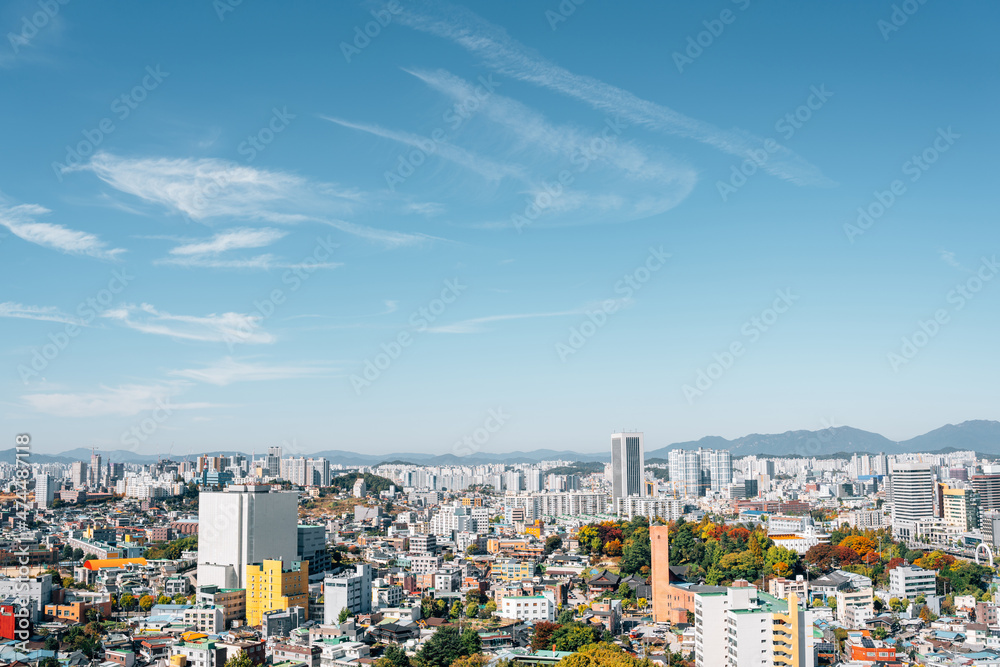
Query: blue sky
(216, 218)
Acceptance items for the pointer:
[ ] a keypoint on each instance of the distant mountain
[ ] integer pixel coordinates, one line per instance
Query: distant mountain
(978, 435)
(791, 443)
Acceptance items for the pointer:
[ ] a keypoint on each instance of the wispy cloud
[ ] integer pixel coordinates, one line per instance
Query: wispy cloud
(477, 324)
(122, 401)
(214, 328)
(41, 313)
(20, 220)
(229, 370)
(486, 167)
(510, 58)
(230, 240)
(206, 253)
(209, 189)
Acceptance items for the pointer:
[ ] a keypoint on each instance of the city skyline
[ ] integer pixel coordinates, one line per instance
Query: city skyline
(244, 255)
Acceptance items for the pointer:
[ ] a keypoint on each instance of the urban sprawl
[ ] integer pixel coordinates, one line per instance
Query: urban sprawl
(699, 558)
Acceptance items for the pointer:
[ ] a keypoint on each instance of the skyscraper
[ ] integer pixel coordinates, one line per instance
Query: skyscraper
(244, 525)
(95, 469)
(78, 476)
(912, 487)
(273, 462)
(627, 465)
(722, 469)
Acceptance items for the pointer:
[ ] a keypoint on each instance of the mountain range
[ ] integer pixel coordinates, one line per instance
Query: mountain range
(977, 435)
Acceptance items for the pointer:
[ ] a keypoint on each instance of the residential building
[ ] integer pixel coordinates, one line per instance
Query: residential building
(232, 601)
(45, 491)
(281, 622)
(273, 585)
(528, 608)
(909, 582)
(209, 619)
(348, 590)
(198, 653)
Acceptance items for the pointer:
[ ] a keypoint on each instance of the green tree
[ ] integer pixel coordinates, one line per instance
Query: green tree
(51, 644)
(393, 656)
(471, 641)
(344, 614)
(146, 602)
(565, 616)
(241, 659)
(78, 554)
(552, 543)
(471, 610)
(443, 648)
(127, 601)
(456, 610)
(574, 636)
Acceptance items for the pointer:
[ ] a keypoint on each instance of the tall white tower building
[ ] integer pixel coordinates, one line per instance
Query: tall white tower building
(628, 465)
(241, 526)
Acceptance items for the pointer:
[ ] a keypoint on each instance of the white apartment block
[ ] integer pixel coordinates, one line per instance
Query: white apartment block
(909, 582)
(528, 608)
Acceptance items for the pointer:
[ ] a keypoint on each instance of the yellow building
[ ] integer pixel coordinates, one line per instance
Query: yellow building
(535, 529)
(790, 649)
(270, 587)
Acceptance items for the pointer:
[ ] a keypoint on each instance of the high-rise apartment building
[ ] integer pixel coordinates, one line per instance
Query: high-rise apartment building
(241, 526)
(78, 474)
(742, 627)
(45, 491)
(273, 461)
(627, 465)
(721, 468)
(912, 487)
(94, 476)
(274, 585)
